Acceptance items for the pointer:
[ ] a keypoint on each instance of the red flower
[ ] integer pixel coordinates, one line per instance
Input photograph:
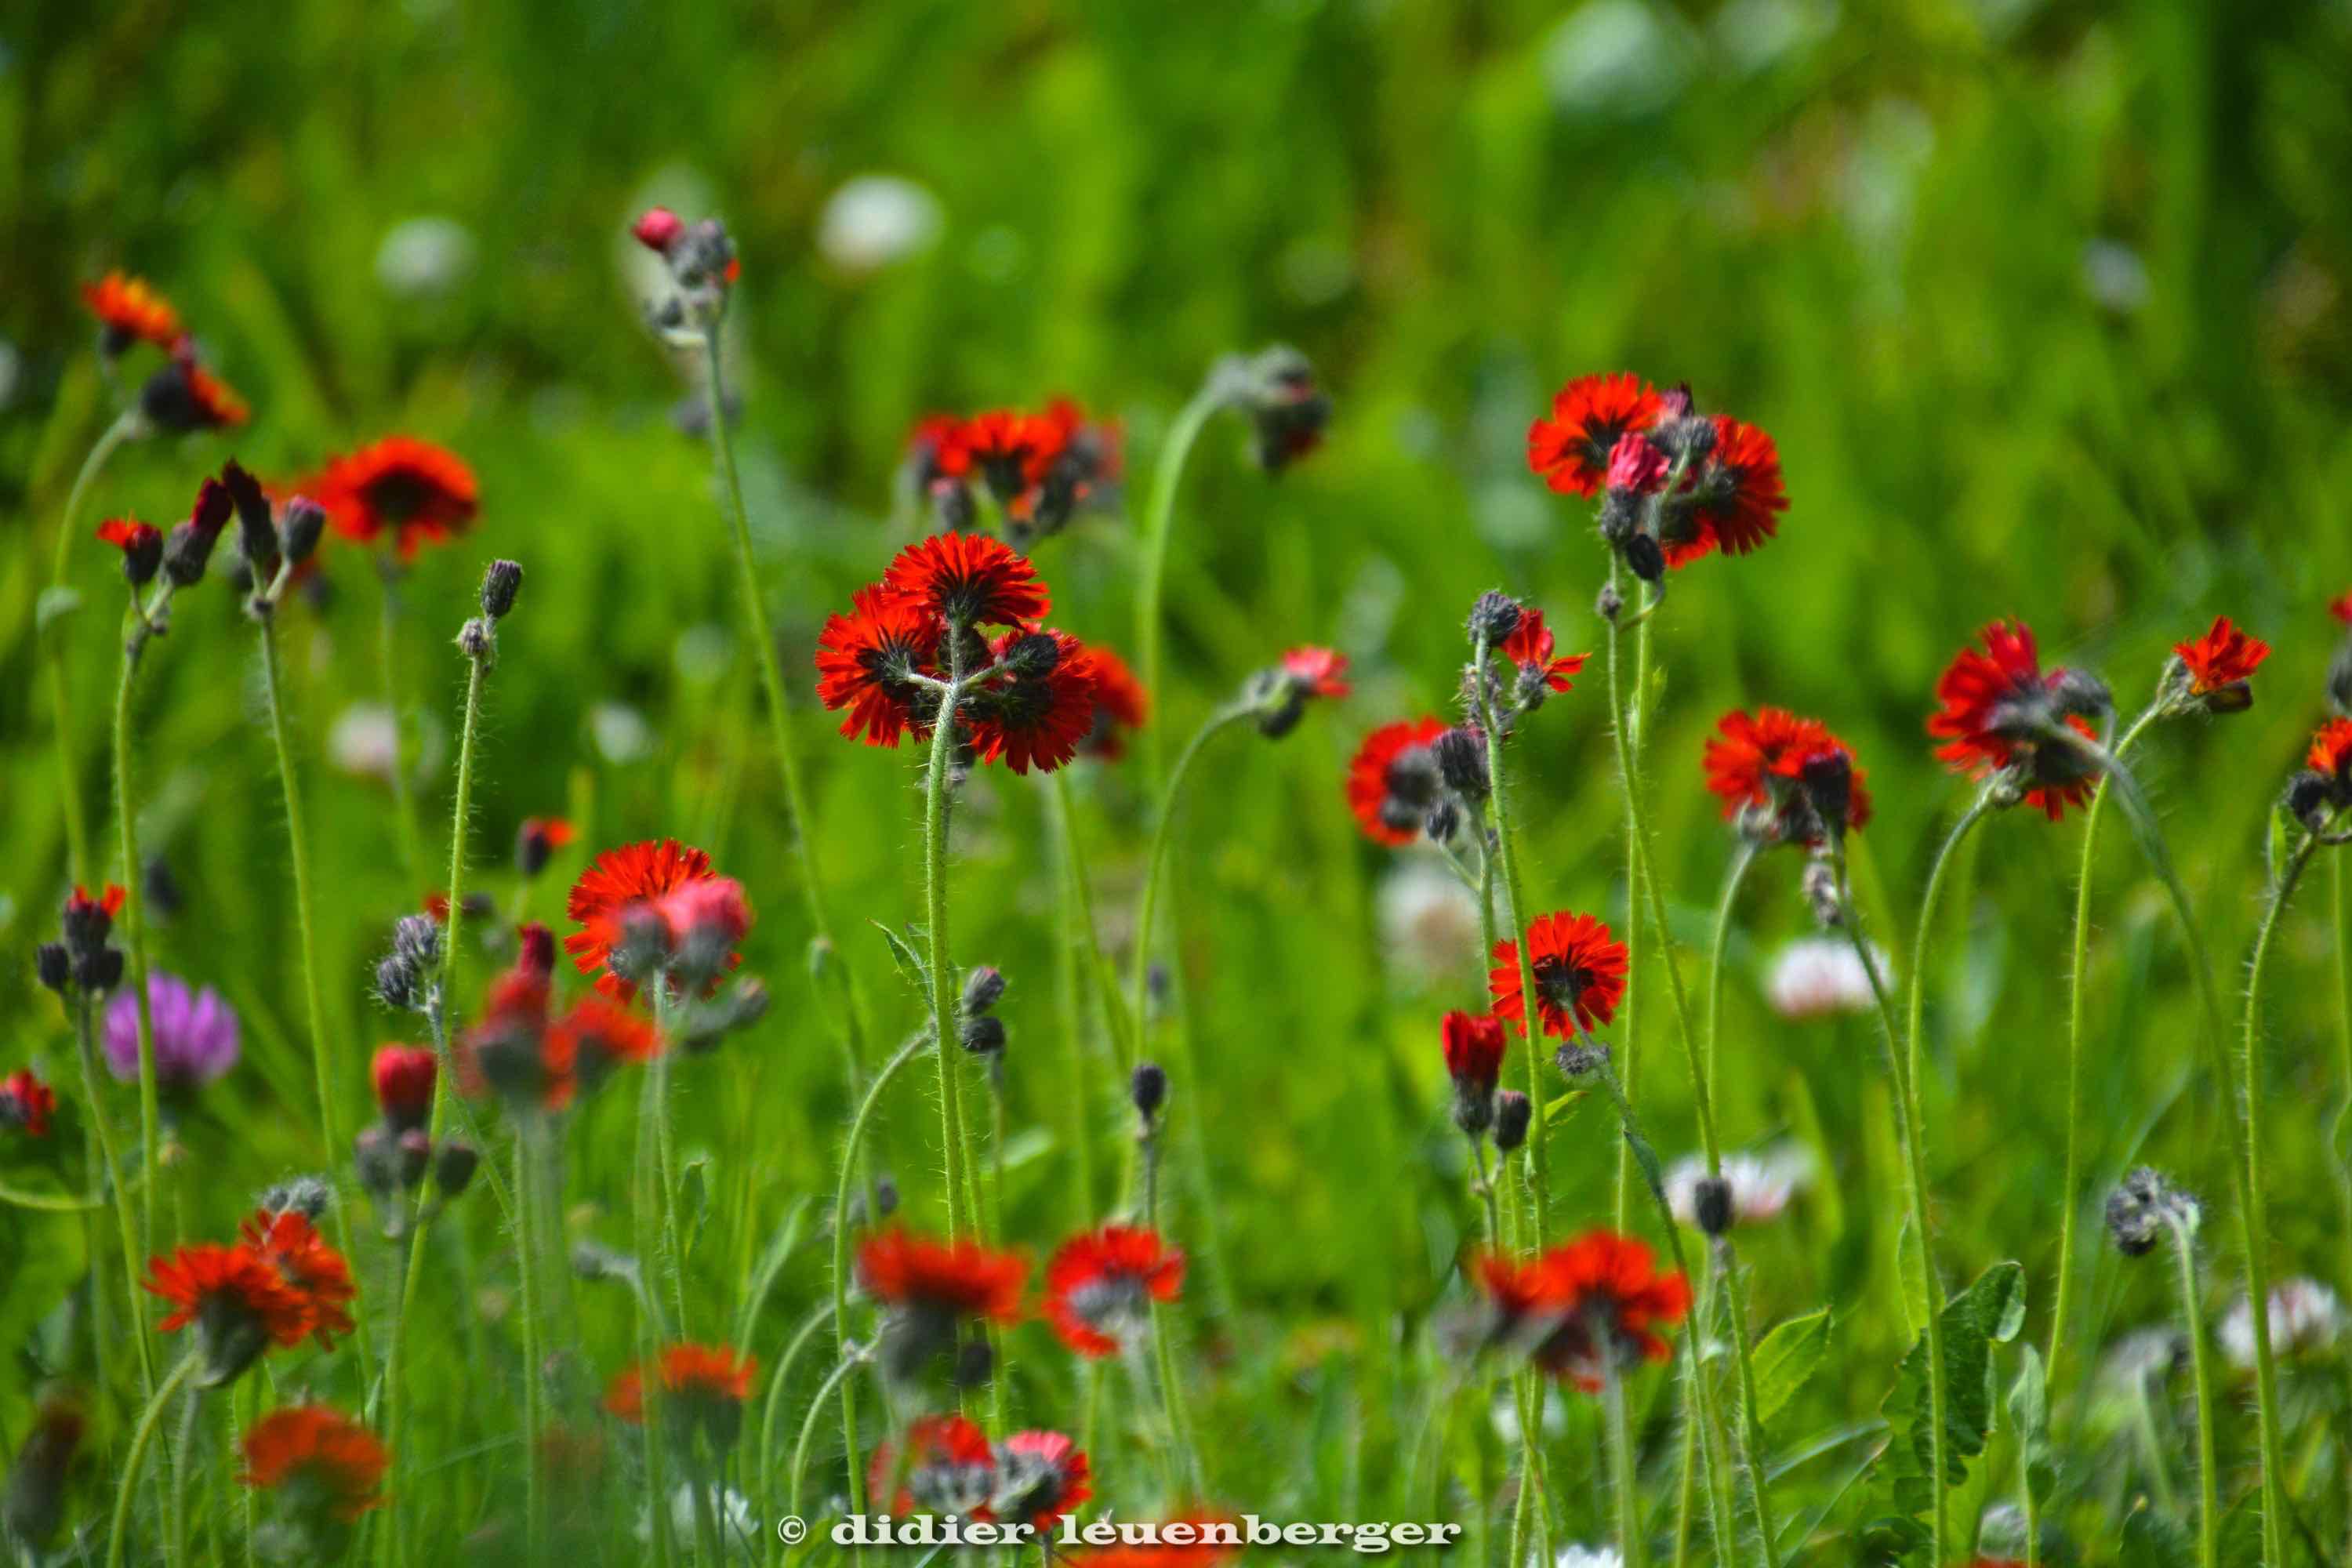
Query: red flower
(1474, 1051)
(968, 579)
(613, 884)
(1011, 449)
(141, 544)
(706, 1381)
(1736, 498)
(329, 1461)
(422, 493)
(657, 228)
(945, 1466)
(590, 1042)
(403, 1083)
(538, 839)
(234, 1284)
(1637, 466)
(1034, 720)
(1317, 671)
(1394, 780)
(1983, 696)
(1586, 1308)
(1579, 968)
(109, 902)
(1529, 646)
(865, 660)
(26, 1102)
(2331, 750)
(2224, 655)
(184, 395)
(1040, 1477)
(1100, 1284)
(1570, 450)
(512, 1049)
(961, 1279)
(131, 312)
(1121, 705)
(288, 1243)
(1759, 761)
(2341, 607)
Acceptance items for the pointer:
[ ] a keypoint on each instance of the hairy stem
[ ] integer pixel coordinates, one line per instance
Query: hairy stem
(134, 922)
(387, 660)
(1505, 851)
(1078, 939)
(142, 1435)
(947, 1005)
(2208, 1467)
(78, 854)
(1158, 523)
(86, 1040)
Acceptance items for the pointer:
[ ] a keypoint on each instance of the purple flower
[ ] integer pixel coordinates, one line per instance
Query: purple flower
(196, 1033)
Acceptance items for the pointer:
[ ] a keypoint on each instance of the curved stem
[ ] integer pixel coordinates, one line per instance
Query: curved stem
(1077, 936)
(86, 1039)
(808, 1430)
(1629, 731)
(772, 680)
(2208, 1466)
(947, 1003)
(1743, 860)
(1159, 522)
(2343, 942)
(1156, 858)
(126, 425)
(134, 922)
(803, 1337)
(1929, 902)
(1505, 850)
(141, 1437)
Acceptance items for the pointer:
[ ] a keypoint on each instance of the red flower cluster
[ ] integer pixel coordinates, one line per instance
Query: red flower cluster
(27, 1103)
(141, 544)
(278, 1285)
(1991, 704)
(1571, 448)
(418, 493)
(2223, 658)
(2331, 751)
(962, 1279)
(543, 1062)
(1031, 694)
(1099, 1285)
(701, 1386)
(1585, 1309)
(1394, 780)
(319, 1458)
(1618, 436)
(669, 890)
(1759, 760)
(1579, 975)
(1039, 468)
(129, 310)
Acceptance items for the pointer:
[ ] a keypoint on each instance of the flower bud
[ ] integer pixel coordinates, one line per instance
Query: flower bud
(377, 1162)
(658, 229)
(1711, 1203)
(1645, 558)
(476, 640)
(1442, 821)
(414, 1156)
(1494, 616)
(190, 547)
(257, 530)
(2308, 799)
(2142, 1205)
(453, 1166)
(306, 1195)
(1461, 762)
(1513, 1111)
(501, 584)
(983, 1035)
(1148, 1090)
(299, 529)
(983, 988)
(1033, 656)
(1828, 778)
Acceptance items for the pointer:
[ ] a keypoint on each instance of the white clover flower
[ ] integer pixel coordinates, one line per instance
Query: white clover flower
(1761, 1184)
(874, 220)
(1429, 922)
(2304, 1316)
(2144, 1353)
(1818, 977)
(361, 739)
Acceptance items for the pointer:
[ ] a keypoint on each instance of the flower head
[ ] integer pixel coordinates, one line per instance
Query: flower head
(2331, 751)
(129, 310)
(1735, 499)
(968, 580)
(318, 1458)
(404, 1077)
(1572, 447)
(1029, 719)
(1579, 975)
(1635, 464)
(1529, 646)
(1585, 1310)
(279, 1284)
(620, 888)
(1317, 671)
(703, 1388)
(184, 396)
(141, 544)
(1040, 1477)
(1121, 705)
(931, 1287)
(1394, 780)
(1756, 761)
(944, 1465)
(195, 1032)
(27, 1103)
(866, 661)
(593, 1039)
(2221, 661)
(419, 493)
(1100, 1284)
(1997, 707)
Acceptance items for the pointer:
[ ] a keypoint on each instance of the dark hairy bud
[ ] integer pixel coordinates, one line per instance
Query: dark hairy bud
(1513, 1111)
(1711, 1205)
(396, 983)
(414, 1156)
(476, 640)
(1828, 778)
(1442, 822)
(2080, 692)
(1148, 1090)
(54, 964)
(301, 527)
(1494, 616)
(453, 1165)
(501, 584)
(2307, 799)
(983, 1035)
(1610, 602)
(1645, 558)
(983, 988)
(257, 530)
(1461, 762)
(2143, 1204)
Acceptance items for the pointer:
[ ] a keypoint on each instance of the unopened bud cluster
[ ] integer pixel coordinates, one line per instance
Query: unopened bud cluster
(478, 638)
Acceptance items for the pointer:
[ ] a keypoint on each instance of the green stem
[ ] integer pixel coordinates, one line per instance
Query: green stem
(772, 680)
(2344, 1045)
(134, 923)
(141, 1437)
(947, 1002)
(1640, 868)
(534, 1414)
(808, 1431)
(2208, 1467)
(1156, 858)
(387, 659)
(1743, 860)
(778, 1380)
(1077, 937)
(126, 425)
(1630, 1541)
(1920, 939)
(182, 1449)
(1171, 1392)
(665, 1154)
(1159, 523)
(1748, 1432)
(86, 1038)
(1506, 852)
(306, 930)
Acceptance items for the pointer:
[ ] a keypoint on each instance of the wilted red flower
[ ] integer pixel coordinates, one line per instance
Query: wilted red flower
(1587, 1307)
(702, 1387)
(865, 660)
(1530, 646)
(1987, 700)
(129, 310)
(944, 1466)
(968, 579)
(1737, 497)
(616, 882)
(324, 1460)
(1317, 671)
(403, 1083)
(964, 1278)
(1100, 1284)
(1473, 1050)
(1034, 720)
(1040, 1477)
(27, 1103)
(2224, 655)
(1579, 969)
(1759, 759)
(1121, 705)
(1570, 450)
(421, 493)
(1394, 780)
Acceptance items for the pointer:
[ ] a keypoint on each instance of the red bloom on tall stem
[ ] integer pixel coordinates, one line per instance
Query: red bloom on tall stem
(326, 1460)
(1571, 448)
(1587, 1307)
(1040, 721)
(962, 1279)
(944, 1466)
(705, 1380)
(2331, 750)
(422, 494)
(235, 1282)
(2224, 655)
(141, 544)
(968, 579)
(1737, 496)
(129, 310)
(291, 1244)
(1317, 671)
(592, 1040)
(1988, 718)
(1100, 1285)
(1473, 1045)
(865, 661)
(1759, 759)
(616, 882)
(1530, 646)
(27, 1103)
(403, 1083)
(185, 396)
(1579, 975)
(1121, 705)
(1040, 1477)
(1394, 780)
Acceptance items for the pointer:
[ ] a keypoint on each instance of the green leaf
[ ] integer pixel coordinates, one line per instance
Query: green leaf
(1911, 1275)
(1786, 1358)
(1558, 1110)
(1987, 1313)
(780, 1250)
(911, 966)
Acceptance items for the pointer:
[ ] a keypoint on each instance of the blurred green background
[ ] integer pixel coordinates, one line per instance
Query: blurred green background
(2045, 304)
